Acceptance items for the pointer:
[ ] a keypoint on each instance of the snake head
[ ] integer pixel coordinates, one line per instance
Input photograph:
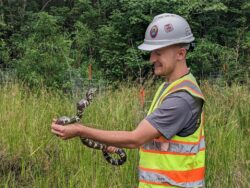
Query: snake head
(90, 93)
(82, 104)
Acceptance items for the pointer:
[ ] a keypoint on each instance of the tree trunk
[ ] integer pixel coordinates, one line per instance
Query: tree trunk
(23, 8)
(24, 5)
(1, 15)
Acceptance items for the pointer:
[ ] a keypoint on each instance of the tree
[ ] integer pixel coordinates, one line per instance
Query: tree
(45, 59)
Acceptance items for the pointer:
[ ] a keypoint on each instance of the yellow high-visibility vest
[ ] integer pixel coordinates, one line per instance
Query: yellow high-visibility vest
(179, 162)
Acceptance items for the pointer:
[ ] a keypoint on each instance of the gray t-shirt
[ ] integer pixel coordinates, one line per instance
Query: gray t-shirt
(177, 115)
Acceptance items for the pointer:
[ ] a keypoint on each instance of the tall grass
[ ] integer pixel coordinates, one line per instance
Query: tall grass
(228, 136)
(32, 157)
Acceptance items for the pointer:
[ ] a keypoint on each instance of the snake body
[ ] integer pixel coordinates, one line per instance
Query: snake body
(81, 105)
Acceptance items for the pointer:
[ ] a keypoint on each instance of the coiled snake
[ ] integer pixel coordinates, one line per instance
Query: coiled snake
(81, 105)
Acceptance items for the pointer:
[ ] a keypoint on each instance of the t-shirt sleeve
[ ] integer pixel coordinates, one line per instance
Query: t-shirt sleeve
(171, 116)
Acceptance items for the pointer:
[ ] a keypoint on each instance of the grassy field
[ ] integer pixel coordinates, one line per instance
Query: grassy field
(32, 157)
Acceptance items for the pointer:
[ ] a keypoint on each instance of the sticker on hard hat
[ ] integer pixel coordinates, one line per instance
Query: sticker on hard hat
(168, 28)
(154, 31)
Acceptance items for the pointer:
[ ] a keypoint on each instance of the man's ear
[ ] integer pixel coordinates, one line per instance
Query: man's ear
(181, 54)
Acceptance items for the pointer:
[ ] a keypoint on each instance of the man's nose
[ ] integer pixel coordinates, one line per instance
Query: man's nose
(153, 57)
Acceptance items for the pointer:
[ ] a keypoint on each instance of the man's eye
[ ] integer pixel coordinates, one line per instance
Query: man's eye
(157, 53)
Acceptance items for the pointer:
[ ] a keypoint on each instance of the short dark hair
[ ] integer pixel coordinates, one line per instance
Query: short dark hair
(187, 46)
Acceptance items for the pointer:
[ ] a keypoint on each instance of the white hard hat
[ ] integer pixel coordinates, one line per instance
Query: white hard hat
(165, 30)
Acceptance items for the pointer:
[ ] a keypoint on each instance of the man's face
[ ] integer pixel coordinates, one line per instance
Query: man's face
(164, 60)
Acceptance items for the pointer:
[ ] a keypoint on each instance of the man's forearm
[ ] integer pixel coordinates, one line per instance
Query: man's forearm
(123, 139)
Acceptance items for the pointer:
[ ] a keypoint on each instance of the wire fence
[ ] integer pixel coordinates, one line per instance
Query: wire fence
(81, 85)
(221, 78)
(7, 76)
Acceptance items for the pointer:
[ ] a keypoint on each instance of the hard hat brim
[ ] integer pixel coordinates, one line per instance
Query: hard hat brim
(149, 47)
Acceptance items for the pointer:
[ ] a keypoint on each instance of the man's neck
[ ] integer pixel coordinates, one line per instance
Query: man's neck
(178, 73)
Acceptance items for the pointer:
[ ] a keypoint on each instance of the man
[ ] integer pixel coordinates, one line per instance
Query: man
(171, 137)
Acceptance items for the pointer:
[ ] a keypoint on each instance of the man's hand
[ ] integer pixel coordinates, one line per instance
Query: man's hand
(65, 132)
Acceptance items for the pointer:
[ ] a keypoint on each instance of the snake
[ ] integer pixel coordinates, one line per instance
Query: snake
(81, 106)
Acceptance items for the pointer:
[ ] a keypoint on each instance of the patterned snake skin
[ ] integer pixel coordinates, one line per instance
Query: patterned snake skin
(81, 105)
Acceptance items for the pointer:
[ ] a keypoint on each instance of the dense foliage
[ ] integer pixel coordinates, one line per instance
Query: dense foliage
(50, 41)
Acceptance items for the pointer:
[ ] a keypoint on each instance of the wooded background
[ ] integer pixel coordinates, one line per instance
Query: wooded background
(48, 42)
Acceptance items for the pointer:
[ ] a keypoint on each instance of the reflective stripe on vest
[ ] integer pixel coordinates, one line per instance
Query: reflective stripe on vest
(159, 177)
(181, 160)
(174, 148)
